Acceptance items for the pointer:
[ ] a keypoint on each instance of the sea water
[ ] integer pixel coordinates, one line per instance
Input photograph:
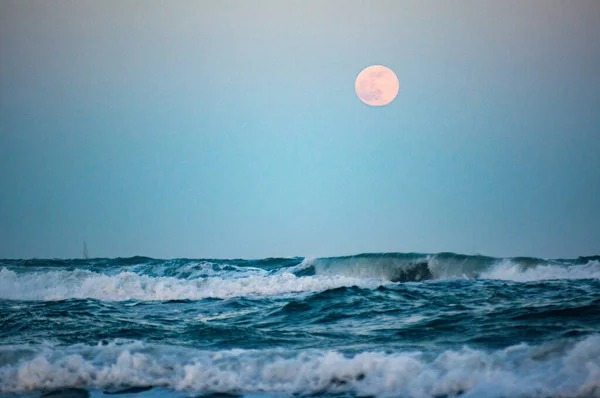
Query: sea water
(377, 325)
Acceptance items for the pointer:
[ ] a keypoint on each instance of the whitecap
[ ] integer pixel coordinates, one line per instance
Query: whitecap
(556, 370)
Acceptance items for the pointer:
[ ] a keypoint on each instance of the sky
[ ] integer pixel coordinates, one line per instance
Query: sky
(231, 129)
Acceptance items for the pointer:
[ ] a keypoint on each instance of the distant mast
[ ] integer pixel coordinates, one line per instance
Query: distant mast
(85, 251)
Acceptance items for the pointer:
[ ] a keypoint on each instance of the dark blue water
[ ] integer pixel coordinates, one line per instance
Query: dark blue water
(407, 325)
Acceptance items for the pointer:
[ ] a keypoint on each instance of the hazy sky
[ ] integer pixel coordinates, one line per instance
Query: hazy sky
(232, 129)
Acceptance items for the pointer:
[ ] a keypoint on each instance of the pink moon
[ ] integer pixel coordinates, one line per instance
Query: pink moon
(376, 85)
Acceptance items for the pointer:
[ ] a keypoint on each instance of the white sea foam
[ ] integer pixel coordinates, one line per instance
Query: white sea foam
(205, 269)
(306, 263)
(59, 285)
(554, 370)
(509, 270)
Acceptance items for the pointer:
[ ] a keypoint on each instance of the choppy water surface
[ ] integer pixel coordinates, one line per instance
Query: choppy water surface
(408, 325)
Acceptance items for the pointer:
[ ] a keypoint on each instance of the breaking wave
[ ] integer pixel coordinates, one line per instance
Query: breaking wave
(568, 368)
(142, 278)
(60, 285)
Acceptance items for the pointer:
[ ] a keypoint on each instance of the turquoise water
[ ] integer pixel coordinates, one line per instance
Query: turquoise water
(402, 325)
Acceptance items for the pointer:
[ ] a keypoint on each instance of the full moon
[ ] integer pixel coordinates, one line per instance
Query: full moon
(376, 85)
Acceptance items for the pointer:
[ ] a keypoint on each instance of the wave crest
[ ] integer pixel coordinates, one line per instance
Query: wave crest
(82, 284)
(414, 267)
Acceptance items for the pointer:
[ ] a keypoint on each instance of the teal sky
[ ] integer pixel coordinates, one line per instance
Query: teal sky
(231, 128)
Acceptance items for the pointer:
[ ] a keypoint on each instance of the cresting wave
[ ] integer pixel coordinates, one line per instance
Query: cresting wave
(566, 369)
(60, 285)
(149, 279)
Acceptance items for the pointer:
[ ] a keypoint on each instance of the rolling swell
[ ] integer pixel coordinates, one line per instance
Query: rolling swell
(415, 267)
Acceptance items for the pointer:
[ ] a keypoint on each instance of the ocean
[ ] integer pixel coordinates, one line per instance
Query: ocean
(370, 325)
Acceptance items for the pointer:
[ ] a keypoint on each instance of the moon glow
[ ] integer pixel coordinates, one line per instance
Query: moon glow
(376, 85)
